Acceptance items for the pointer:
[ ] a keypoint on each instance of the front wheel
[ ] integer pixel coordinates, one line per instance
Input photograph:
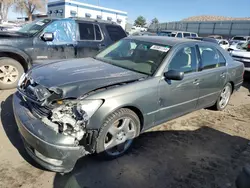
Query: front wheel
(117, 133)
(10, 72)
(224, 97)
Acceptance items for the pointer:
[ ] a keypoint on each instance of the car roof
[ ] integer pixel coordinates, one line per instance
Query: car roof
(81, 19)
(172, 41)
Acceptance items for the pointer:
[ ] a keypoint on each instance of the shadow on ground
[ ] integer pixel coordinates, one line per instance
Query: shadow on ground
(246, 83)
(11, 130)
(203, 158)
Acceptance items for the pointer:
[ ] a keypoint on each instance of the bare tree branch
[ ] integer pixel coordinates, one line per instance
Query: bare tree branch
(30, 6)
(4, 8)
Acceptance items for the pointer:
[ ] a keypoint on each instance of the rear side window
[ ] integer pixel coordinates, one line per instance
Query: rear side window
(193, 35)
(186, 35)
(115, 32)
(211, 58)
(86, 31)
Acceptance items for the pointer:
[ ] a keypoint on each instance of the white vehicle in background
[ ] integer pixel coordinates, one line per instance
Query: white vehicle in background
(236, 46)
(223, 43)
(138, 28)
(216, 37)
(242, 54)
(237, 39)
(183, 34)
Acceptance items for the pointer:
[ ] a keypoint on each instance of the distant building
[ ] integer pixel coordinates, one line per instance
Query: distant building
(68, 8)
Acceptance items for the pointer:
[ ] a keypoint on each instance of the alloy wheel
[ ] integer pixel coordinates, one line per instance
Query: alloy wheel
(120, 136)
(225, 96)
(8, 74)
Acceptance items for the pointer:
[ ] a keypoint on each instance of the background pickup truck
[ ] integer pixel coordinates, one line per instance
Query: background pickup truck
(52, 39)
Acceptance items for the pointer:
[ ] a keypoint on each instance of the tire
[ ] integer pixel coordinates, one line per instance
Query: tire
(218, 105)
(115, 123)
(11, 80)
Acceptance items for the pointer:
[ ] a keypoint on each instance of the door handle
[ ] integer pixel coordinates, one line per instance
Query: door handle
(101, 46)
(196, 82)
(223, 74)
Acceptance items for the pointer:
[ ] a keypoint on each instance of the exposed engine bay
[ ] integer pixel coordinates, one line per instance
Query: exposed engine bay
(70, 120)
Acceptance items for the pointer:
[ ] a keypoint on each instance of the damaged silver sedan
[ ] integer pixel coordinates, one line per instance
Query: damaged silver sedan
(68, 109)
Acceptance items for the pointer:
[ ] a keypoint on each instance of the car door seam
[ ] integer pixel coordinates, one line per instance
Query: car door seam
(168, 107)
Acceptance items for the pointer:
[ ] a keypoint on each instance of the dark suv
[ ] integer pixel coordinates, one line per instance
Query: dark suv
(52, 39)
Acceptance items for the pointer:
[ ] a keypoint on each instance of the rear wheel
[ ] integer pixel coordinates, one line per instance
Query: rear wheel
(117, 133)
(224, 97)
(10, 72)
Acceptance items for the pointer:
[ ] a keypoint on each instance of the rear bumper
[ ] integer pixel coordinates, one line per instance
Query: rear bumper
(43, 144)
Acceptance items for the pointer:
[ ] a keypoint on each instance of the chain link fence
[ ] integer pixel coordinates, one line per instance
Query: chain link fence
(204, 28)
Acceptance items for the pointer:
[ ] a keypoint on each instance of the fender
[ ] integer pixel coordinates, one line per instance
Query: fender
(23, 54)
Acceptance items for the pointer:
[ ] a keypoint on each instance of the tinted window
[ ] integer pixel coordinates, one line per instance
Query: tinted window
(184, 60)
(115, 32)
(211, 58)
(86, 31)
(64, 31)
(186, 34)
(193, 35)
(98, 34)
(179, 35)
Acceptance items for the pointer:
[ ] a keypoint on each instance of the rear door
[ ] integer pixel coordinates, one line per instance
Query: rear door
(212, 75)
(90, 39)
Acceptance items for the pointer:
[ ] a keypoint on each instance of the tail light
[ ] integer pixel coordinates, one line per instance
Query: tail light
(248, 47)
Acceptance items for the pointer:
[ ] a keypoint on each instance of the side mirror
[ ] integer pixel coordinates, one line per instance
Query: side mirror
(174, 75)
(47, 37)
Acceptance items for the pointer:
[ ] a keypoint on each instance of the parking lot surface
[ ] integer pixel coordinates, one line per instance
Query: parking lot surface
(200, 150)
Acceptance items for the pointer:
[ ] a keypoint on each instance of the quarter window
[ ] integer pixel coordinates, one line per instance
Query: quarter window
(211, 58)
(115, 32)
(184, 60)
(86, 31)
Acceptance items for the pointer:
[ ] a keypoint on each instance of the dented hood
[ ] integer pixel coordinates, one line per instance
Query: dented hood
(77, 77)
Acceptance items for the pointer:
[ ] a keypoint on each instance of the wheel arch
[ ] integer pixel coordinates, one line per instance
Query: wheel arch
(16, 54)
(232, 84)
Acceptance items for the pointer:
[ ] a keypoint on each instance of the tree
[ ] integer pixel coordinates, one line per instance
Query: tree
(140, 21)
(154, 21)
(30, 6)
(4, 8)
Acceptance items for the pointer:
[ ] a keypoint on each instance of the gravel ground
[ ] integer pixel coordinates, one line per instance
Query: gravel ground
(204, 149)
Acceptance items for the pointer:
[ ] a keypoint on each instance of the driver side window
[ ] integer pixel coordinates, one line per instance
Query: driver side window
(64, 31)
(184, 60)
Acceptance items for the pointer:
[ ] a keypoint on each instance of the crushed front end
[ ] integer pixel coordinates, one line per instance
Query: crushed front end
(53, 130)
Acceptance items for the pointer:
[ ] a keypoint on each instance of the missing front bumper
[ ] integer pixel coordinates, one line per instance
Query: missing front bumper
(39, 137)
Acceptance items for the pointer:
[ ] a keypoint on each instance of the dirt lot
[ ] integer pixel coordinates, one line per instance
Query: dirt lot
(205, 149)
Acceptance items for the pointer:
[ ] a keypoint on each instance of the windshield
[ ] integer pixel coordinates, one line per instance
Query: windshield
(239, 38)
(34, 27)
(139, 56)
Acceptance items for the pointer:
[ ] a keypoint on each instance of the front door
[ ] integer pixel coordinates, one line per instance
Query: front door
(179, 97)
(212, 77)
(62, 47)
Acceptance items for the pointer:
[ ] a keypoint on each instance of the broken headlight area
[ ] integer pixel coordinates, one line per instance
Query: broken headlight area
(71, 117)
